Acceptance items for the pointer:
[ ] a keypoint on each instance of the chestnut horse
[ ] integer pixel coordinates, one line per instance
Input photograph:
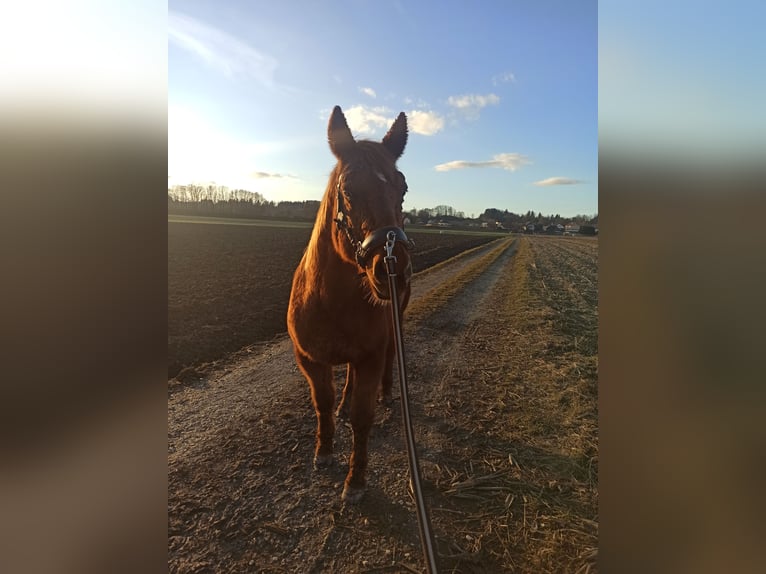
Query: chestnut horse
(340, 310)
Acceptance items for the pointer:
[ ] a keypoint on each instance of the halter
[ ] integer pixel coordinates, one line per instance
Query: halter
(376, 239)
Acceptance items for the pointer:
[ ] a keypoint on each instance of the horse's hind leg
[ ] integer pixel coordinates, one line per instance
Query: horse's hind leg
(348, 391)
(323, 396)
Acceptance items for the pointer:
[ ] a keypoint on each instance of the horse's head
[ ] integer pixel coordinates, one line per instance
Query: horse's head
(366, 192)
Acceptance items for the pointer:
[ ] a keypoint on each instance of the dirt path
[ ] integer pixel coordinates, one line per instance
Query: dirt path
(501, 352)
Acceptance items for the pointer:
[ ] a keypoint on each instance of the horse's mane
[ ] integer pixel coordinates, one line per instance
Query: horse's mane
(324, 220)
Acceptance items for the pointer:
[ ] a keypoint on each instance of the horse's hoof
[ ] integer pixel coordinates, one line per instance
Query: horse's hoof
(352, 494)
(322, 461)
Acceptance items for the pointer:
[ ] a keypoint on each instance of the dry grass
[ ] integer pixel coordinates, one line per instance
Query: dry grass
(517, 471)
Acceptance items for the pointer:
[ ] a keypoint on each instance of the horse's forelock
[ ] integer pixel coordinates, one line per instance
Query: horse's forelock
(373, 157)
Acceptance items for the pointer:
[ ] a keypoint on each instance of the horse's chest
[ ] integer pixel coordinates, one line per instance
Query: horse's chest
(339, 333)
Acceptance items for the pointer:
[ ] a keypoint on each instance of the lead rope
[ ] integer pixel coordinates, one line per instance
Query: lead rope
(424, 522)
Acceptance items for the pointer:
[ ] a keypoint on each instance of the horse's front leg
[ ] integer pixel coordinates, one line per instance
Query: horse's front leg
(322, 386)
(367, 376)
(348, 392)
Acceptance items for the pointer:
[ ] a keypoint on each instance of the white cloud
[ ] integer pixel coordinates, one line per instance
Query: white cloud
(558, 181)
(367, 121)
(369, 92)
(424, 123)
(226, 54)
(473, 101)
(503, 78)
(471, 104)
(507, 161)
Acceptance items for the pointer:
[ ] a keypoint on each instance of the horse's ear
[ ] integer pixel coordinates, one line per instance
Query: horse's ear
(396, 138)
(338, 134)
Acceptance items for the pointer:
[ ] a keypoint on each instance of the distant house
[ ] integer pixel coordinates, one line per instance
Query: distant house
(571, 228)
(555, 229)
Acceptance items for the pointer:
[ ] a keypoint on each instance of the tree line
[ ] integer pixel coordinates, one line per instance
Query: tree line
(220, 201)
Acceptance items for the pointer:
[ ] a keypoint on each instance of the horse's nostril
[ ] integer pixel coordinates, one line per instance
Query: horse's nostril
(402, 270)
(381, 273)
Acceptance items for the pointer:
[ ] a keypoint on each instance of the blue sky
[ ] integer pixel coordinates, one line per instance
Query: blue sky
(501, 97)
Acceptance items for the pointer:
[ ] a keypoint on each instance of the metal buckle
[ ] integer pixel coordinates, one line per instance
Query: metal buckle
(390, 240)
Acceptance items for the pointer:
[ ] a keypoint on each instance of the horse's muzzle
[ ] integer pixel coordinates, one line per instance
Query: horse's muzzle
(379, 276)
(371, 254)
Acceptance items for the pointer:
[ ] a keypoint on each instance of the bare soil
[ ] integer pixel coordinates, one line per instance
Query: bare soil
(501, 348)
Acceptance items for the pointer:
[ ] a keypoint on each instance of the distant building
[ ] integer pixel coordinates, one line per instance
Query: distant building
(555, 229)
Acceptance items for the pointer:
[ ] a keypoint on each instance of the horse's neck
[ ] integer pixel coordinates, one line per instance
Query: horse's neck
(321, 257)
